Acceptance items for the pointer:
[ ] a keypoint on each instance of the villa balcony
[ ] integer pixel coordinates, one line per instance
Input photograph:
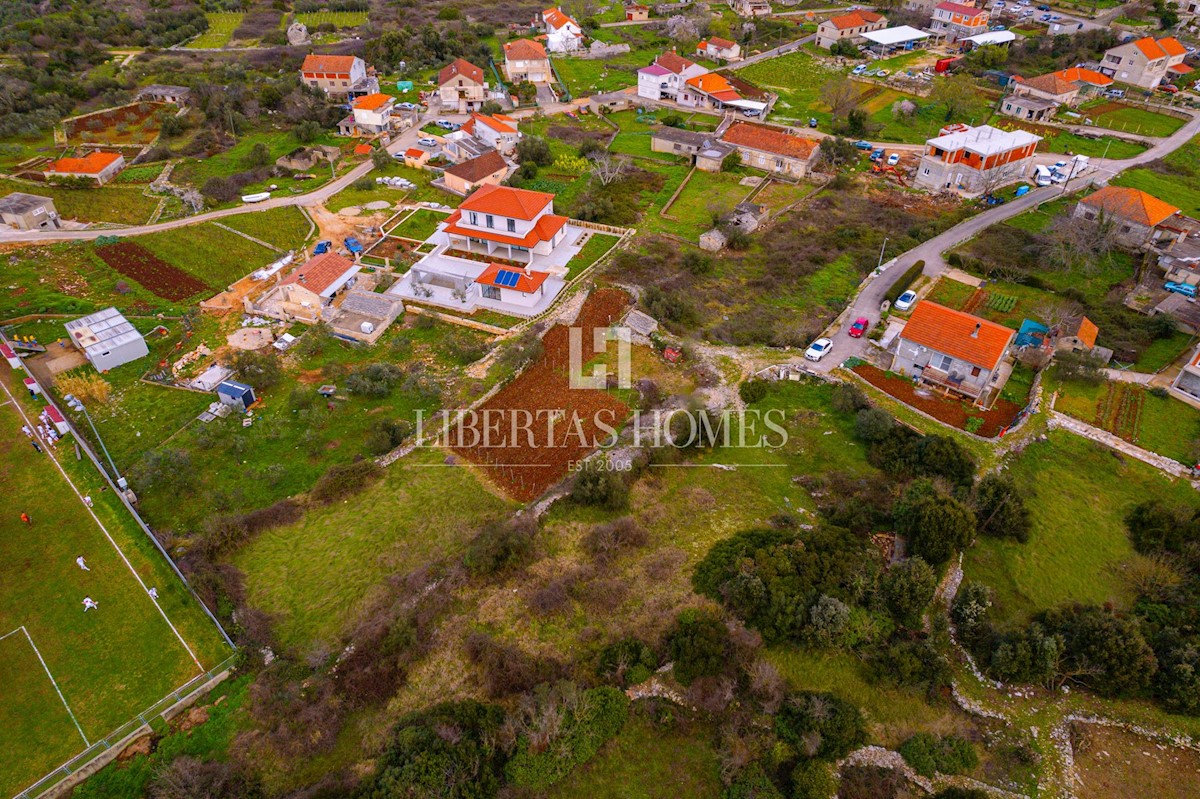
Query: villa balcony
(952, 381)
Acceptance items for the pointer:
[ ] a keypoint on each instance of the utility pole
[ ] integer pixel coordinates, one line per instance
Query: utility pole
(74, 404)
(882, 247)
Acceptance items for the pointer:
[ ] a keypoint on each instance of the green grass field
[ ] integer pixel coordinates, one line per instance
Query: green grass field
(339, 19)
(419, 225)
(286, 227)
(211, 253)
(797, 77)
(110, 663)
(691, 213)
(236, 159)
(1163, 424)
(221, 25)
(1136, 120)
(125, 205)
(589, 253)
(1079, 494)
(1174, 179)
(351, 196)
(1105, 146)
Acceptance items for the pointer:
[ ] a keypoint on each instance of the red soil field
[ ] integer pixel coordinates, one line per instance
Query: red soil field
(156, 275)
(525, 472)
(946, 409)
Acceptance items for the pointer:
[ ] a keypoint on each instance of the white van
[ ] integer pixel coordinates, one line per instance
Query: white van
(1042, 176)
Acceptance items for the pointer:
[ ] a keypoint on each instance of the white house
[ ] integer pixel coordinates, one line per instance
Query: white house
(719, 49)
(563, 34)
(372, 114)
(663, 79)
(336, 75)
(495, 130)
(526, 60)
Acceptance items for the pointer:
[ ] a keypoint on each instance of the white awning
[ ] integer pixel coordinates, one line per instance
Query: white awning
(992, 37)
(751, 104)
(897, 35)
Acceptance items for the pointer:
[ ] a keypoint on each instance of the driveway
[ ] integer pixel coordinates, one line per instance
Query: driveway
(871, 296)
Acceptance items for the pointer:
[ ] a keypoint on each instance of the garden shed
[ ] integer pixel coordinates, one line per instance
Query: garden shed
(107, 339)
(238, 396)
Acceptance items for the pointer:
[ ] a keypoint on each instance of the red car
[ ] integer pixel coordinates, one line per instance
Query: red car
(859, 327)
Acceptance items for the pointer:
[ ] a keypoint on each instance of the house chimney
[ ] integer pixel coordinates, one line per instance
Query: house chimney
(301, 278)
(975, 332)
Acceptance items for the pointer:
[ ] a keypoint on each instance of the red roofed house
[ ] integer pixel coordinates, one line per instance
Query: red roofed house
(635, 12)
(488, 169)
(1141, 218)
(500, 221)
(461, 86)
(1039, 98)
(849, 27)
(336, 75)
(954, 351)
(718, 49)
(1146, 62)
(665, 77)
(524, 60)
(416, 157)
(310, 287)
(772, 149)
(495, 130)
(710, 90)
(97, 165)
(563, 34)
(370, 115)
(958, 21)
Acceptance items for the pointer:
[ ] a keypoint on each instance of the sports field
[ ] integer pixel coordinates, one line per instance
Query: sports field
(70, 677)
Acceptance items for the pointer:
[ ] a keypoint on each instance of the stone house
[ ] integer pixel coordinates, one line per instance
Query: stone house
(1142, 219)
(28, 212)
(463, 178)
(848, 27)
(772, 149)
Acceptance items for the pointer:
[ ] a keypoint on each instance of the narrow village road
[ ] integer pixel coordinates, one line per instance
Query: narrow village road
(868, 300)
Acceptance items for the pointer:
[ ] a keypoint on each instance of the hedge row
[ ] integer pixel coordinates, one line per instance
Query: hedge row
(906, 280)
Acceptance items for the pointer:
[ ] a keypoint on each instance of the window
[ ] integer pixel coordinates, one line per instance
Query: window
(489, 221)
(975, 371)
(474, 217)
(491, 293)
(946, 363)
(512, 225)
(1089, 214)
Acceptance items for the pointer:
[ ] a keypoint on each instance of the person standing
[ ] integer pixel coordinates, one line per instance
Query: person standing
(25, 429)
(25, 518)
(81, 564)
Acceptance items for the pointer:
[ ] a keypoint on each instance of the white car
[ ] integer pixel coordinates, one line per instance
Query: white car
(818, 349)
(905, 301)
(427, 141)
(893, 159)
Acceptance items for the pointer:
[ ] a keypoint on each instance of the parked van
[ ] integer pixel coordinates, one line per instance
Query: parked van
(1115, 93)
(1042, 176)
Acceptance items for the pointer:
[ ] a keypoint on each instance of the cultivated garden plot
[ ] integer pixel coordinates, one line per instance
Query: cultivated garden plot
(221, 25)
(91, 671)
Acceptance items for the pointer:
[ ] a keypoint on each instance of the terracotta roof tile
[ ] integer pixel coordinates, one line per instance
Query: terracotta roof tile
(1051, 83)
(524, 50)
(1150, 48)
(1172, 46)
(91, 164)
(556, 19)
(771, 140)
(714, 83)
(320, 273)
(477, 169)
(546, 228)
(413, 152)
(373, 102)
(959, 335)
(497, 122)
(959, 8)
(723, 44)
(457, 67)
(855, 19)
(528, 282)
(674, 62)
(328, 64)
(1084, 75)
(1087, 332)
(1132, 204)
(507, 201)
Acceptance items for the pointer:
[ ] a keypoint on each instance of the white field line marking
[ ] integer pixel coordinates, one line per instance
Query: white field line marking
(47, 451)
(54, 682)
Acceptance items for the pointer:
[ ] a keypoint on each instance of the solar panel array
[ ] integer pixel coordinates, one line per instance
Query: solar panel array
(507, 278)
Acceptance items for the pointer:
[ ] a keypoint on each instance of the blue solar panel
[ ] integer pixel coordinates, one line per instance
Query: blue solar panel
(507, 279)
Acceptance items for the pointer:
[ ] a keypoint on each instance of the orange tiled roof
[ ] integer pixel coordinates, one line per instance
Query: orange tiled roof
(723, 44)
(507, 201)
(713, 83)
(855, 19)
(319, 273)
(1150, 48)
(363, 149)
(497, 122)
(328, 64)
(960, 335)
(674, 62)
(1087, 332)
(1084, 75)
(524, 50)
(91, 164)
(373, 102)
(546, 228)
(771, 140)
(557, 19)
(460, 66)
(1171, 46)
(528, 282)
(959, 8)
(1051, 83)
(1181, 69)
(1132, 204)
(413, 152)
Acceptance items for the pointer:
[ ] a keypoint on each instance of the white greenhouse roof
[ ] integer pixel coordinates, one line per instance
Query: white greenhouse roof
(992, 37)
(897, 35)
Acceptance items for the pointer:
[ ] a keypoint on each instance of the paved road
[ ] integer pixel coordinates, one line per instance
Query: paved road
(871, 297)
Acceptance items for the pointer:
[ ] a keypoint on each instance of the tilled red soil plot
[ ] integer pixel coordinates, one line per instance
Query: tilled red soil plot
(951, 411)
(137, 263)
(526, 471)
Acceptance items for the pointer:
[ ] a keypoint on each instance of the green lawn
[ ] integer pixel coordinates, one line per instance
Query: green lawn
(351, 196)
(706, 192)
(589, 253)
(797, 78)
(211, 253)
(1163, 351)
(286, 227)
(124, 205)
(339, 19)
(315, 575)
(1037, 219)
(647, 760)
(111, 663)
(1163, 424)
(237, 159)
(587, 76)
(221, 25)
(1079, 493)
(1174, 179)
(634, 138)
(1105, 146)
(419, 225)
(1135, 120)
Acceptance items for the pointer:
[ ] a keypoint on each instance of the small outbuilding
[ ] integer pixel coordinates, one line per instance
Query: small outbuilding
(28, 211)
(238, 396)
(9, 355)
(107, 339)
(58, 420)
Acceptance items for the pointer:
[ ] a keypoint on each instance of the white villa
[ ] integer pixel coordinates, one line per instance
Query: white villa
(504, 249)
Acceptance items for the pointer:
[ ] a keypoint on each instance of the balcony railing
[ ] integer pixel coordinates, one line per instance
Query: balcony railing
(952, 381)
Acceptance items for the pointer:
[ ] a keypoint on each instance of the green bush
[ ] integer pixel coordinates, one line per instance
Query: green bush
(752, 391)
(626, 662)
(600, 715)
(929, 755)
(344, 480)
(821, 725)
(906, 280)
(601, 487)
(813, 779)
(752, 783)
(699, 645)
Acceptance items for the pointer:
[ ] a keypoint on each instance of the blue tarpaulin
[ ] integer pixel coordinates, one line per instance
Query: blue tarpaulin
(1031, 334)
(404, 85)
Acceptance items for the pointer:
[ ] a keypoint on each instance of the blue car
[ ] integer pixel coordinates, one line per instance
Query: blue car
(863, 145)
(322, 247)
(354, 245)
(1180, 288)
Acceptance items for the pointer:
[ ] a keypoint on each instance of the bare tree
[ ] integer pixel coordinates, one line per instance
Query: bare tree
(606, 168)
(997, 177)
(1060, 316)
(682, 29)
(841, 95)
(1082, 244)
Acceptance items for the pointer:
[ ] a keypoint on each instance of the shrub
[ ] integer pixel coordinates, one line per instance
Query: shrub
(961, 793)
(751, 783)
(596, 718)
(259, 369)
(812, 779)
(907, 590)
(500, 546)
(534, 149)
(605, 541)
(873, 424)
(849, 398)
(934, 524)
(699, 644)
(626, 662)
(1000, 508)
(374, 379)
(387, 434)
(600, 486)
(821, 725)
(506, 668)
(906, 280)
(752, 391)
(929, 755)
(345, 479)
